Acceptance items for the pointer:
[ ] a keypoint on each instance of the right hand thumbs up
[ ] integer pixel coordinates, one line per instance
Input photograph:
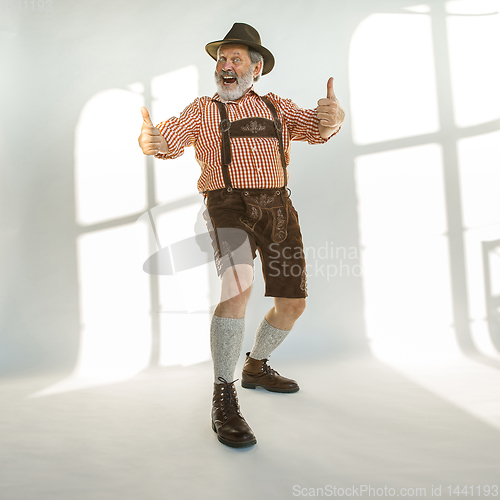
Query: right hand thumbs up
(145, 117)
(150, 139)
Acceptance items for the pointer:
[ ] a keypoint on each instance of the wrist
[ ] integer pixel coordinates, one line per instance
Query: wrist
(327, 132)
(163, 146)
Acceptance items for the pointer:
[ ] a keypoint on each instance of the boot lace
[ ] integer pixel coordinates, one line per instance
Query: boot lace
(229, 398)
(267, 369)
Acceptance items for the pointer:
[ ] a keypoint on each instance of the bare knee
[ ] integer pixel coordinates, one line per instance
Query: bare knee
(290, 308)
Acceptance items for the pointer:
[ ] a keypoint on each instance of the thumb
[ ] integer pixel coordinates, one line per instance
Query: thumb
(145, 117)
(329, 89)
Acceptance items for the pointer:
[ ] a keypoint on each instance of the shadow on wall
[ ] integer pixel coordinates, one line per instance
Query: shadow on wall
(426, 161)
(403, 199)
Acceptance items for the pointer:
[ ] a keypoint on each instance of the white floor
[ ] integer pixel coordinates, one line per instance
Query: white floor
(355, 423)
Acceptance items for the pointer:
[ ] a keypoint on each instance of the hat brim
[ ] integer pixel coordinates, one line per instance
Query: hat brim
(213, 47)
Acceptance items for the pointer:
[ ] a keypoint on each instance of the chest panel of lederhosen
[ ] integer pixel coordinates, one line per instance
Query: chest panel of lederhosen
(247, 128)
(252, 127)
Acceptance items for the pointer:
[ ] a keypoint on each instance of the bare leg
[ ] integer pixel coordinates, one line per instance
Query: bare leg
(285, 312)
(235, 291)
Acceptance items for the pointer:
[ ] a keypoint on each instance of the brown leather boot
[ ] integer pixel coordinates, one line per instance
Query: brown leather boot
(257, 373)
(227, 420)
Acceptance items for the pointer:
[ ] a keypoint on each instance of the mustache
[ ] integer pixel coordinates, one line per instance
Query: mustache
(224, 73)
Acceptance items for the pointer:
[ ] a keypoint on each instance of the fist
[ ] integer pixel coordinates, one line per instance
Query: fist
(329, 112)
(150, 139)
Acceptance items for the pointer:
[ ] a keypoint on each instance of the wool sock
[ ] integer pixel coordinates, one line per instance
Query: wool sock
(267, 339)
(226, 342)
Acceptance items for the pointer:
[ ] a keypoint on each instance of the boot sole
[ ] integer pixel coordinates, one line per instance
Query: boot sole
(248, 385)
(232, 444)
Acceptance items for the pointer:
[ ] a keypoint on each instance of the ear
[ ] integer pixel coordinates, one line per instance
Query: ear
(257, 69)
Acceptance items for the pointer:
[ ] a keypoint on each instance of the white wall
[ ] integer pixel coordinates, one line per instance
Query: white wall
(350, 193)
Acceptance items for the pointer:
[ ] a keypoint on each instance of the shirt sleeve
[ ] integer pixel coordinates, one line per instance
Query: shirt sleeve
(302, 123)
(181, 132)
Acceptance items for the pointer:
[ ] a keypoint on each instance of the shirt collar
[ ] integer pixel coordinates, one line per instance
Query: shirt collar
(249, 93)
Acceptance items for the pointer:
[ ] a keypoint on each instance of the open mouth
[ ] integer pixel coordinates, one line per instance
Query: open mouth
(228, 80)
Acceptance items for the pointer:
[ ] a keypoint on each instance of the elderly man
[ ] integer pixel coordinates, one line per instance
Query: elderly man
(242, 143)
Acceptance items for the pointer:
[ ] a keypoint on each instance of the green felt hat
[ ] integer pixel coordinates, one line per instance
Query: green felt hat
(243, 34)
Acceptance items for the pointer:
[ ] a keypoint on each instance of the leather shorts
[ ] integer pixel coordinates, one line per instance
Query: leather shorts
(243, 221)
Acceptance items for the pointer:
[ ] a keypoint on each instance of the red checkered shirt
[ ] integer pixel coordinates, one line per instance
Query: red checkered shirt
(255, 161)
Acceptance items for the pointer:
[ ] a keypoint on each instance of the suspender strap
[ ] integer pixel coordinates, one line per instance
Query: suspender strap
(278, 127)
(225, 150)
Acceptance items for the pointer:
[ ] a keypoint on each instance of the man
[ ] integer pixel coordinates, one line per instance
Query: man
(242, 143)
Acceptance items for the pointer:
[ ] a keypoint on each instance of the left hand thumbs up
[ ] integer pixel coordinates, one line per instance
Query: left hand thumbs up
(329, 112)
(330, 94)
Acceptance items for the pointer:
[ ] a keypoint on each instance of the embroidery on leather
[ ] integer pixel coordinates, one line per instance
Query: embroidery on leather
(226, 249)
(251, 217)
(280, 225)
(263, 200)
(303, 284)
(253, 127)
(218, 263)
(279, 233)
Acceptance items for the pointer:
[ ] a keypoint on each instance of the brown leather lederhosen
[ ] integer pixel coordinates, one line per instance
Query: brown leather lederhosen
(265, 214)
(248, 127)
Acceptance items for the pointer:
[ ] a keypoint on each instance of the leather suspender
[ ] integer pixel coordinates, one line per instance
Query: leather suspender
(225, 149)
(278, 126)
(258, 124)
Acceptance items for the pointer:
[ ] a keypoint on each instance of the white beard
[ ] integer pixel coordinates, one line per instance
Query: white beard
(243, 83)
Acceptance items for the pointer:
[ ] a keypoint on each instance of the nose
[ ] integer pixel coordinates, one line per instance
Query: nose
(226, 66)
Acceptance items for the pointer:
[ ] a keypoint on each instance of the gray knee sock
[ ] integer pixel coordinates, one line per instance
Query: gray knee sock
(267, 339)
(226, 342)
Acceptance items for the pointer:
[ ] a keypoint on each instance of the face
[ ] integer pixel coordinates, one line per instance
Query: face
(234, 72)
